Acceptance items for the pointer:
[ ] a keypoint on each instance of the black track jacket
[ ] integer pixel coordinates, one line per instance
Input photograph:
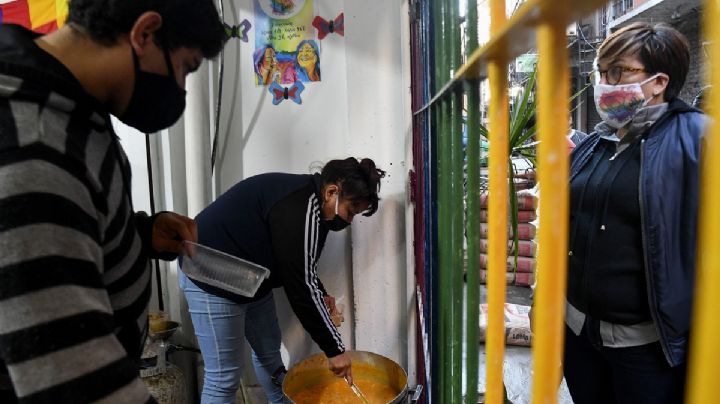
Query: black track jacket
(274, 220)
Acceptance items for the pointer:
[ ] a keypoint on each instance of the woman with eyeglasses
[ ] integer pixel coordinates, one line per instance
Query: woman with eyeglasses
(634, 202)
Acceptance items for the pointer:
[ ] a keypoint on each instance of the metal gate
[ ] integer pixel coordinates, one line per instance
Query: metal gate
(446, 76)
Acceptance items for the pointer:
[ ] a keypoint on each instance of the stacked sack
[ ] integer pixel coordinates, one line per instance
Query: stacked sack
(524, 273)
(517, 324)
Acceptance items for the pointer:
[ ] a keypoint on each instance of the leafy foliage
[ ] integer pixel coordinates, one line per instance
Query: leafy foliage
(521, 142)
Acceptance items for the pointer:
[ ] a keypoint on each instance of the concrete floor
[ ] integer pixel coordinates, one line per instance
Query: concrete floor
(517, 368)
(517, 374)
(255, 395)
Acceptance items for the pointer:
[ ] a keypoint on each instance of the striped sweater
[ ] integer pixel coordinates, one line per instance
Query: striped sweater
(74, 275)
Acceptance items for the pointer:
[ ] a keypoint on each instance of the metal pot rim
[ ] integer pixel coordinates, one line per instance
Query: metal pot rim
(398, 398)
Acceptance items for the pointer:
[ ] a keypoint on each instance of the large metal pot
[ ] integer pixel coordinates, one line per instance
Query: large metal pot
(313, 372)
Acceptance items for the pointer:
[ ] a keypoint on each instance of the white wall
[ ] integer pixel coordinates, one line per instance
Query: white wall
(377, 126)
(361, 108)
(133, 142)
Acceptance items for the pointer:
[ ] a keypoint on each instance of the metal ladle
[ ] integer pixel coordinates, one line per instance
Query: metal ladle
(357, 391)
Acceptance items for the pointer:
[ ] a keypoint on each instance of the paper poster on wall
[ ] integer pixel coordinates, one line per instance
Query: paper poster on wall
(285, 47)
(41, 16)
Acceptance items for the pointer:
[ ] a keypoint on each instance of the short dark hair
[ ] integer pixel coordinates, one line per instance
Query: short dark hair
(191, 24)
(358, 180)
(661, 48)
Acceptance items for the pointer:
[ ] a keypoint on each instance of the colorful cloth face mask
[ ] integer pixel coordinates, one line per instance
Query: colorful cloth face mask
(618, 104)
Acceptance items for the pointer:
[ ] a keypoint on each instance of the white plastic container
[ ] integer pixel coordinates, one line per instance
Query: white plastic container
(224, 271)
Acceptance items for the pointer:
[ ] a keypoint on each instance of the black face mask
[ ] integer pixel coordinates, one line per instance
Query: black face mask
(157, 101)
(337, 223)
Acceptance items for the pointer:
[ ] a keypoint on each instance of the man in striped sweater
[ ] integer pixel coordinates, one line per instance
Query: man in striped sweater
(74, 275)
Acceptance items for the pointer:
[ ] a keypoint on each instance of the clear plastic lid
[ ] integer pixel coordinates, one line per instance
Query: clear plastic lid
(224, 271)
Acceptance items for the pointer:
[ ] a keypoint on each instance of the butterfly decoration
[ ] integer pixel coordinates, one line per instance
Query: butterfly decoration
(325, 27)
(238, 31)
(281, 93)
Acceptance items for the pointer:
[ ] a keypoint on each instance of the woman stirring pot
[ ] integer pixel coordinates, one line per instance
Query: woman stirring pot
(279, 221)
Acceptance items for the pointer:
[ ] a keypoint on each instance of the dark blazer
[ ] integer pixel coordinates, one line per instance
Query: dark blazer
(669, 200)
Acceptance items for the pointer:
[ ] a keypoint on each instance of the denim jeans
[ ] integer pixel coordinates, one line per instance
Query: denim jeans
(221, 327)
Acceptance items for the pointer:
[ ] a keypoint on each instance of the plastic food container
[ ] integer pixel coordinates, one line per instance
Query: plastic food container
(224, 271)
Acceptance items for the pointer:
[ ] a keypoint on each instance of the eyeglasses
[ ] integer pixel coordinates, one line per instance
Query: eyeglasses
(613, 74)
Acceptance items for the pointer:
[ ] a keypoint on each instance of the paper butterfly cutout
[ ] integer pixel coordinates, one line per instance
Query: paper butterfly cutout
(238, 31)
(325, 27)
(281, 93)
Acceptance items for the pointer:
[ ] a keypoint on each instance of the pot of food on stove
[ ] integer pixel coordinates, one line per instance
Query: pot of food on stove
(381, 381)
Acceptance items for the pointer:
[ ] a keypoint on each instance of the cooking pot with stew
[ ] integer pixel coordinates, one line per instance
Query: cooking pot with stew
(381, 380)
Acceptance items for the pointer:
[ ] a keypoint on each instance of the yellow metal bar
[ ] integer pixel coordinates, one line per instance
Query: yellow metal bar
(498, 210)
(515, 37)
(553, 94)
(704, 347)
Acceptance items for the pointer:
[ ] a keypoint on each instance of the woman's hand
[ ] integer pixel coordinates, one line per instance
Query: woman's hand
(341, 366)
(330, 303)
(336, 314)
(170, 230)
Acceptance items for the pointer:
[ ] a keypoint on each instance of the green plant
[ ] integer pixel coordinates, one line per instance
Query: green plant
(521, 132)
(521, 144)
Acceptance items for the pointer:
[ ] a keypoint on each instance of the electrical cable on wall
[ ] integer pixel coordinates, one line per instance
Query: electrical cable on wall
(218, 104)
(582, 35)
(161, 304)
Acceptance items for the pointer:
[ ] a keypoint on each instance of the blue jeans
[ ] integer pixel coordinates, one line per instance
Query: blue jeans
(221, 327)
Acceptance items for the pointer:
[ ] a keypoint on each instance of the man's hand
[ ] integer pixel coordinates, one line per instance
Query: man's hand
(341, 366)
(170, 230)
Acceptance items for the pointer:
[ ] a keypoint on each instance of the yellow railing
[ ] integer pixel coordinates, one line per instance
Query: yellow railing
(497, 208)
(705, 343)
(543, 23)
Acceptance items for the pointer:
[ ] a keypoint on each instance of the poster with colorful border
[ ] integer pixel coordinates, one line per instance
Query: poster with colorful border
(41, 16)
(286, 50)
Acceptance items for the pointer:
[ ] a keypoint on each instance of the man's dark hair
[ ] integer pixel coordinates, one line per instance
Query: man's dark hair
(358, 180)
(661, 48)
(191, 24)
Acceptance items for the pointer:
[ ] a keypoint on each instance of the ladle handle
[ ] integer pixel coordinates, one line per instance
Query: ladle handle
(357, 392)
(415, 394)
(162, 356)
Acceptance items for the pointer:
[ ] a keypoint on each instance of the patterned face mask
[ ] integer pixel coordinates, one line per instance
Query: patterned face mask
(618, 104)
